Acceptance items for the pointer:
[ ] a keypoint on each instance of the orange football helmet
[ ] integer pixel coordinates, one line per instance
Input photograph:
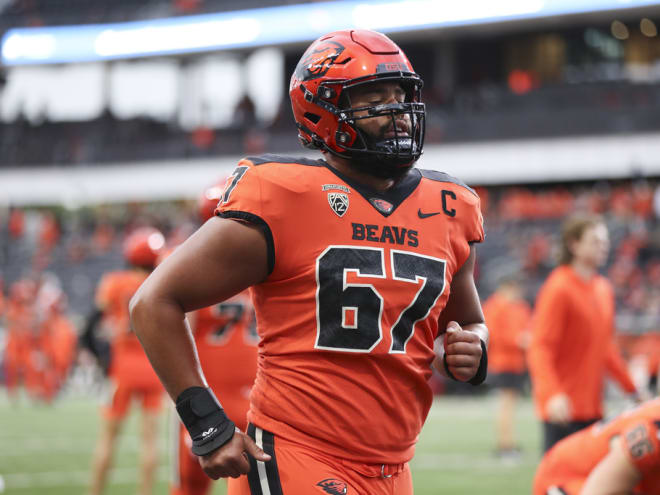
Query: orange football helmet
(322, 108)
(142, 246)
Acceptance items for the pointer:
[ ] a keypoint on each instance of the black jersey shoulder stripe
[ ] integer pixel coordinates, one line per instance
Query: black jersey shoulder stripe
(444, 177)
(270, 158)
(259, 222)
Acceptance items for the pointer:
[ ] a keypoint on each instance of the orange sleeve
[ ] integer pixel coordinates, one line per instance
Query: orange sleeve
(547, 333)
(474, 222)
(616, 367)
(241, 199)
(642, 445)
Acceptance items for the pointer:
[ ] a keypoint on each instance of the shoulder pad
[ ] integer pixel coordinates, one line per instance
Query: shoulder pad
(444, 177)
(270, 158)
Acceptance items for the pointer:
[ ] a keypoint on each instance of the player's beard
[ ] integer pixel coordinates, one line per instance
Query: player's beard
(389, 160)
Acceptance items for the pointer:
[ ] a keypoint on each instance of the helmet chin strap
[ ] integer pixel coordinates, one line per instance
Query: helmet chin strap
(393, 161)
(379, 166)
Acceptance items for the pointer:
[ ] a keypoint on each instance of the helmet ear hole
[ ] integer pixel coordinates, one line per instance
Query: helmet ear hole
(343, 138)
(312, 117)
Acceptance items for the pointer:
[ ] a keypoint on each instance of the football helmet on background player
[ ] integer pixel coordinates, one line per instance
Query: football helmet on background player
(142, 246)
(208, 200)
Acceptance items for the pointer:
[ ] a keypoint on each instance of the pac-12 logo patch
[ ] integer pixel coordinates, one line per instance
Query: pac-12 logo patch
(338, 202)
(333, 486)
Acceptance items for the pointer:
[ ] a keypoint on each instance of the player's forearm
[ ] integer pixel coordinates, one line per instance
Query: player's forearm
(164, 334)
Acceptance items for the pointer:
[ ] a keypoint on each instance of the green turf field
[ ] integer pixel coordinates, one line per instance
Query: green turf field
(47, 450)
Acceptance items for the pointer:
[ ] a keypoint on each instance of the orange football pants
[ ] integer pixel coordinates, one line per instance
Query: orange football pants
(150, 399)
(297, 469)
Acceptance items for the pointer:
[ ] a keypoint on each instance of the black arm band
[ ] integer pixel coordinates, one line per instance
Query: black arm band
(480, 376)
(482, 372)
(98, 346)
(205, 420)
(88, 338)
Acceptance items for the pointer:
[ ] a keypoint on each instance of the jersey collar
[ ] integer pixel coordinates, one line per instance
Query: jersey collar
(384, 202)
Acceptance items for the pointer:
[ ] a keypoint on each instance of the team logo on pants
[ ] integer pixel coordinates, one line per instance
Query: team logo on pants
(333, 486)
(338, 203)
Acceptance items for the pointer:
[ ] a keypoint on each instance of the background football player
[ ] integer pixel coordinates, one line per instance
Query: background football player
(609, 458)
(226, 340)
(130, 374)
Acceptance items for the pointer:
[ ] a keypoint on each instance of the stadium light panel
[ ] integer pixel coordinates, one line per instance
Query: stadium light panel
(36, 47)
(406, 14)
(271, 26)
(189, 36)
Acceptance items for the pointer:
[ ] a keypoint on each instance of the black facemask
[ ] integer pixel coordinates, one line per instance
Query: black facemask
(388, 158)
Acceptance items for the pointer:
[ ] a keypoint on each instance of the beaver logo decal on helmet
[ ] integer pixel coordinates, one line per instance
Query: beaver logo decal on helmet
(318, 61)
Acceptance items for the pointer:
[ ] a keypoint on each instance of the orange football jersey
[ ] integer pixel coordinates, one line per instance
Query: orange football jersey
(348, 316)
(571, 460)
(129, 362)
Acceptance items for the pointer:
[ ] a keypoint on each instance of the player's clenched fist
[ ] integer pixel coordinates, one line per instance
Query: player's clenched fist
(231, 460)
(462, 352)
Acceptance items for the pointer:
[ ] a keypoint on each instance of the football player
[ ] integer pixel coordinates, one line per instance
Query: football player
(508, 317)
(609, 458)
(357, 263)
(130, 373)
(226, 341)
(55, 338)
(20, 321)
